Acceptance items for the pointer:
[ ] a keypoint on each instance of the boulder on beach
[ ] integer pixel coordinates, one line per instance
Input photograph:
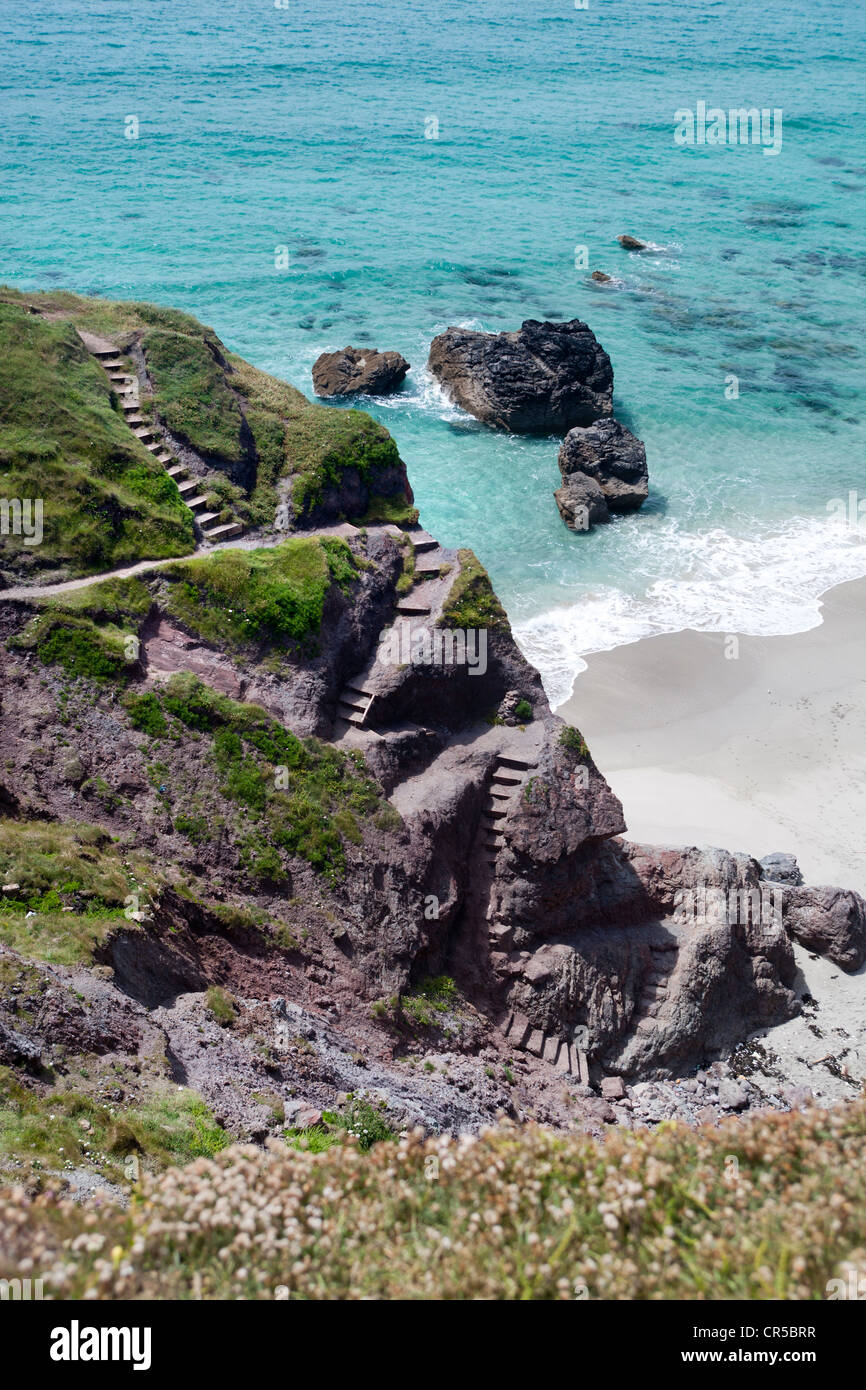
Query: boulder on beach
(613, 457)
(581, 502)
(358, 371)
(631, 243)
(830, 921)
(542, 379)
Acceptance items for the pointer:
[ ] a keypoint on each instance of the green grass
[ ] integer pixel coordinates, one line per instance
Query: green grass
(238, 597)
(435, 995)
(192, 393)
(221, 1005)
(62, 1129)
(87, 631)
(573, 741)
(107, 502)
(322, 793)
(471, 602)
(65, 865)
(251, 428)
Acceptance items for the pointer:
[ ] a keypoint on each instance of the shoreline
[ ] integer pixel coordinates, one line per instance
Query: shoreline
(759, 751)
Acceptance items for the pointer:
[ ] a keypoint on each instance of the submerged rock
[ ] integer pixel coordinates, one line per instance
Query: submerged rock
(542, 379)
(357, 371)
(613, 457)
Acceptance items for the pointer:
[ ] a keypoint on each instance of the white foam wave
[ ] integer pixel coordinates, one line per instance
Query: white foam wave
(764, 585)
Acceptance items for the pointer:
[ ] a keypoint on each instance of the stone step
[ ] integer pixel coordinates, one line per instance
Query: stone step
(413, 610)
(499, 794)
(496, 812)
(103, 353)
(226, 532)
(425, 546)
(654, 992)
(517, 1029)
(505, 779)
(177, 470)
(163, 457)
(203, 518)
(190, 487)
(518, 764)
(356, 689)
(350, 714)
(195, 504)
(144, 433)
(113, 363)
(354, 701)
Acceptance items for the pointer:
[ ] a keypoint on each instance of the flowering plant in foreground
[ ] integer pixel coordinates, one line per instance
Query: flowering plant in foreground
(508, 1213)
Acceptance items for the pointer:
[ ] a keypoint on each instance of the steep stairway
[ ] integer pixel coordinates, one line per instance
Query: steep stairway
(418, 607)
(509, 775)
(655, 986)
(125, 384)
(560, 1053)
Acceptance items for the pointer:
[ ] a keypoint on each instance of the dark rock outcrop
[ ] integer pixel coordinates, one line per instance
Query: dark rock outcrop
(542, 379)
(831, 921)
(631, 243)
(612, 457)
(581, 502)
(358, 371)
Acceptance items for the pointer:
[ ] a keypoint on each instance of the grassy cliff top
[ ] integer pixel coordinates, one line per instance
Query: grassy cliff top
(107, 502)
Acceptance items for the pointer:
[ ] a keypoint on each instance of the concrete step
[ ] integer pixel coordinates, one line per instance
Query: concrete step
(203, 518)
(190, 487)
(195, 504)
(654, 992)
(498, 793)
(413, 610)
(105, 354)
(226, 532)
(176, 471)
(163, 457)
(505, 779)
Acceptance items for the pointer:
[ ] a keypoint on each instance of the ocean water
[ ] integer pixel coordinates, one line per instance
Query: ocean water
(310, 127)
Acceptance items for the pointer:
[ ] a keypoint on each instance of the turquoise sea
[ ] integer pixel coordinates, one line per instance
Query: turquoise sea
(307, 126)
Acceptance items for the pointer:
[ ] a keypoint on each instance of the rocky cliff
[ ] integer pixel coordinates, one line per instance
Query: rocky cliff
(291, 820)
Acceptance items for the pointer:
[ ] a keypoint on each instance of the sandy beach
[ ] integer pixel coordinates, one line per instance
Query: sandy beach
(759, 751)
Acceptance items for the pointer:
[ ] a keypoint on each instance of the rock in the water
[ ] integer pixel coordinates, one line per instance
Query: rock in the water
(543, 379)
(601, 277)
(613, 457)
(781, 868)
(358, 370)
(831, 921)
(631, 243)
(581, 502)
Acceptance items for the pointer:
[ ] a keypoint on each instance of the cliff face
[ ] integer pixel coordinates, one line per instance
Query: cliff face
(319, 776)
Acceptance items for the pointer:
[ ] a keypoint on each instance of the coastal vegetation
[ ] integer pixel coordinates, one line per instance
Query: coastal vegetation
(767, 1207)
